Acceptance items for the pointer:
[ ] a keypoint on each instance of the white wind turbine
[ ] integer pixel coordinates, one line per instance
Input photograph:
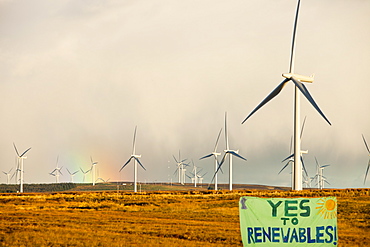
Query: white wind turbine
(136, 160)
(195, 174)
(290, 158)
(228, 152)
(72, 174)
(8, 175)
(214, 154)
(57, 171)
(320, 178)
(368, 164)
(180, 168)
(84, 174)
(200, 178)
(93, 170)
(299, 86)
(20, 165)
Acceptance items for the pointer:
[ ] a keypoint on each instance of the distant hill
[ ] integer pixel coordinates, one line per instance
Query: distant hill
(127, 186)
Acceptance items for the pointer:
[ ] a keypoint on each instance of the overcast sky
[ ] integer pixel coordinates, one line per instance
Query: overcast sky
(77, 77)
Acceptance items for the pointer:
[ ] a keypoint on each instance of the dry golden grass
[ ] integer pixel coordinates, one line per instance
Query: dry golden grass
(197, 218)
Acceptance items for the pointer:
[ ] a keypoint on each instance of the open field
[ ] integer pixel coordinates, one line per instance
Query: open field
(177, 218)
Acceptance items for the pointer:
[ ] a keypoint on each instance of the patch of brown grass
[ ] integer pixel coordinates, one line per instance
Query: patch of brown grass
(193, 218)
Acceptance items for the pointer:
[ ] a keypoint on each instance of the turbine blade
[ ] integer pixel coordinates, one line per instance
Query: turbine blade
(304, 121)
(290, 156)
(175, 158)
(74, 172)
(126, 163)
(291, 144)
(317, 163)
(134, 142)
(16, 150)
(293, 39)
(218, 138)
(25, 152)
(304, 167)
(139, 163)
(284, 167)
(308, 96)
(69, 171)
(367, 147)
(175, 171)
(367, 171)
(226, 137)
(276, 91)
(207, 156)
(237, 155)
(219, 167)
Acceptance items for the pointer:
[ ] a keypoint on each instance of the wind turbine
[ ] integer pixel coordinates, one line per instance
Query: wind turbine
(368, 164)
(100, 178)
(290, 158)
(20, 163)
(320, 178)
(56, 171)
(200, 178)
(180, 168)
(136, 160)
(214, 154)
(84, 174)
(195, 174)
(8, 175)
(297, 79)
(93, 170)
(229, 152)
(72, 174)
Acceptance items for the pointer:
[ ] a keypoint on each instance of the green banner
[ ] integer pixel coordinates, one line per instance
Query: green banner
(288, 221)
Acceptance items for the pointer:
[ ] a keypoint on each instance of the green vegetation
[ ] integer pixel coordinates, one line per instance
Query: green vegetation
(177, 218)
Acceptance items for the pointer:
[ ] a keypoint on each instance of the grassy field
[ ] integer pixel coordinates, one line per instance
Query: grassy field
(176, 218)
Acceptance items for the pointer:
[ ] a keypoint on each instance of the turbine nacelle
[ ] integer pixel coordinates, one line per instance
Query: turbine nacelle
(299, 77)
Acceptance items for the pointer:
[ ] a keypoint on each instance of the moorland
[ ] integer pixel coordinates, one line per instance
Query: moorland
(155, 218)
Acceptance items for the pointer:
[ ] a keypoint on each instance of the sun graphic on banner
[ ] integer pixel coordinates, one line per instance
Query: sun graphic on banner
(327, 208)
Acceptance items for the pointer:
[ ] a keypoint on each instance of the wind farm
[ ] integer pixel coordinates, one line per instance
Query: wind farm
(78, 78)
(170, 130)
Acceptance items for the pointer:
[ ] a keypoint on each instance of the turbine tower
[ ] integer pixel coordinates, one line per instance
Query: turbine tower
(214, 154)
(230, 153)
(93, 170)
(136, 160)
(299, 86)
(368, 164)
(20, 163)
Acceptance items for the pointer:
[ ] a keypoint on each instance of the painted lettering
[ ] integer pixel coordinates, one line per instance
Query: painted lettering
(274, 207)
